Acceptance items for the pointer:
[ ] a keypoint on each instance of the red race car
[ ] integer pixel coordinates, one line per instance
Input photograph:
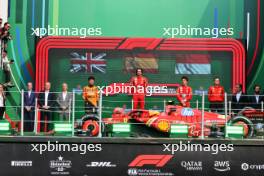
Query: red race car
(214, 124)
(255, 118)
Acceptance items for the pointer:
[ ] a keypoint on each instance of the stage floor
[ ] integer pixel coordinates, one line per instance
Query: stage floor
(53, 155)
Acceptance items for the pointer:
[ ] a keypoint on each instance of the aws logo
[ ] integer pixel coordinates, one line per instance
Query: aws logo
(222, 166)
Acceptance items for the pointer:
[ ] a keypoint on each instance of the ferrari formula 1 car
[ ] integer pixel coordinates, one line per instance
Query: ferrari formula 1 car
(255, 118)
(214, 123)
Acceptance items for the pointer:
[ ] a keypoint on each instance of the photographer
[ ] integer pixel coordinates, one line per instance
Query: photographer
(5, 35)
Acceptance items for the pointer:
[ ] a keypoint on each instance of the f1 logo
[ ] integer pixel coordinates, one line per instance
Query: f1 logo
(157, 160)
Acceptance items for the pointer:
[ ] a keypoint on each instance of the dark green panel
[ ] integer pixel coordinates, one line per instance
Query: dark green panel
(19, 11)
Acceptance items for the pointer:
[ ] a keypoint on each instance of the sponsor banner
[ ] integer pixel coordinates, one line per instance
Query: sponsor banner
(131, 159)
(21, 163)
(59, 166)
(222, 166)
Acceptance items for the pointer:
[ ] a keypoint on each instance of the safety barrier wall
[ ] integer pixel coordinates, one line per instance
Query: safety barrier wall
(243, 119)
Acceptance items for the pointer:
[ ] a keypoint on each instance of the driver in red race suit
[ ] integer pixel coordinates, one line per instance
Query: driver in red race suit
(216, 96)
(184, 93)
(140, 83)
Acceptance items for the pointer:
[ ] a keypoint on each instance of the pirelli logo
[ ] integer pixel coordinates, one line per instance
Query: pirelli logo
(21, 163)
(156, 160)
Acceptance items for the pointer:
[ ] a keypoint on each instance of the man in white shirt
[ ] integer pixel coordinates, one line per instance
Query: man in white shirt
(256, 99)
(239, 99)
(46, 101)
(238, 95)
(7, 68)
(64, 101)
(29, 108)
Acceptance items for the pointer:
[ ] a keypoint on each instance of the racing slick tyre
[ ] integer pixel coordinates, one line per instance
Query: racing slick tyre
(247, 124)
(90, 124)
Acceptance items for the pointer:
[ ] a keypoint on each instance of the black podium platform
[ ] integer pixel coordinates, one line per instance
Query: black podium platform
(130, 156)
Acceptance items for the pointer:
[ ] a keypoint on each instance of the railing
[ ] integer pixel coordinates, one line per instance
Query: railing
(201, 120)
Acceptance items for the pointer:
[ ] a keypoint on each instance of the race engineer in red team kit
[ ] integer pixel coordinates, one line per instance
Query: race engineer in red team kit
(140, 83)
(216, 96)
(184, 93)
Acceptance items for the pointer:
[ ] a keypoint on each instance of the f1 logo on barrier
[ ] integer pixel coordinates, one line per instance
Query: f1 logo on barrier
(157, 160)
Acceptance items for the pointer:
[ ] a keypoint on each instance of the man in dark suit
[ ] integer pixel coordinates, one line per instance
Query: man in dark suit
(256, 99)
(46, 101)
(29, 104)
(239, 99)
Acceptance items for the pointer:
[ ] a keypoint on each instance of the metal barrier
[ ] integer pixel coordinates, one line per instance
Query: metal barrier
(200, 105)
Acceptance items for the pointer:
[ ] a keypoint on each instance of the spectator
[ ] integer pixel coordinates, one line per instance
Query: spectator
(29, 104)
(90, 96)
(46, 102)
(2, 102)
(239, 99)
(78, 89)
(64, 101)
(1, 21)
(7, 69)
(256, 99)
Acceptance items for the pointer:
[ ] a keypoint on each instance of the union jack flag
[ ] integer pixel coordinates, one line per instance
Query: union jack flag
(88, 63)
